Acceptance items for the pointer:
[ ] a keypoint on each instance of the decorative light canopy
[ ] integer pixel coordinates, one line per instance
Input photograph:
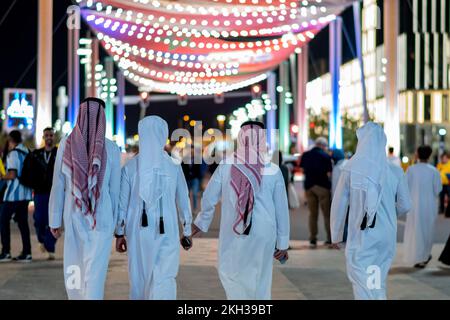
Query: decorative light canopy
(206, 47)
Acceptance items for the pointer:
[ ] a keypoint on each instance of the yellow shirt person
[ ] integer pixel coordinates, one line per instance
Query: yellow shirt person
(2, 168)
(444, 170)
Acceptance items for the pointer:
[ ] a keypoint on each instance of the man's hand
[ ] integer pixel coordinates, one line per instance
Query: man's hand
(56, 232)
(186, 242)
(281, 254)
(195, 230)
(121, 245)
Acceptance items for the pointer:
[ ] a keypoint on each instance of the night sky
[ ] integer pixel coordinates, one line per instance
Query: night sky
(18, 33)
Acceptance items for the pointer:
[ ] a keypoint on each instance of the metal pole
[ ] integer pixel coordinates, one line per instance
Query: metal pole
(109, 110)
(392, 117)
(271, 114)
(284, 108)
(357, 20)
(44, 68)
(94, 62)
(335, 126)
(302, 75)
(70, 57)
(120, 111)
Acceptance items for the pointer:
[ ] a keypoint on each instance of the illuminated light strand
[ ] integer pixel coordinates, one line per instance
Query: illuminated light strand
(192, 89)
(160, 56)
(127, 64)
(232, 46)
(192, 23)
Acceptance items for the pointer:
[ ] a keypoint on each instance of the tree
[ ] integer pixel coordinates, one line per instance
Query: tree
(318, 127)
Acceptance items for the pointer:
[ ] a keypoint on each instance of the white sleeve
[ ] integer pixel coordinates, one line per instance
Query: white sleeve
(124, 200)
(210, 198)
(114, 183)
(339, 207)
(281, 212)
(183, 203)
(437, 183)
(403, 196)
(57, 194)
(12, 161)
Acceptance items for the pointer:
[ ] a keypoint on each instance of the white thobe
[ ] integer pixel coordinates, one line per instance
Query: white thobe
(425, 185)
(153, 258)
(246, 261)
(369, 253)
(336, 173)
(86, 250)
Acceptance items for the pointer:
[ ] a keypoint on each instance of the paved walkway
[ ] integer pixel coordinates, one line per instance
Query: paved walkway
(309, 274)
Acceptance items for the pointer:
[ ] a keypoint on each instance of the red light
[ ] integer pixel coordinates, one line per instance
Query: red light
(256, 88)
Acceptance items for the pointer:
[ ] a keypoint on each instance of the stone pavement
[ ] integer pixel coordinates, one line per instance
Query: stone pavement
(309, 274)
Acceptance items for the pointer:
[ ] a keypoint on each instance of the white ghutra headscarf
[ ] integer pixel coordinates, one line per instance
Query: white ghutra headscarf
(153, 134)
(368, 169)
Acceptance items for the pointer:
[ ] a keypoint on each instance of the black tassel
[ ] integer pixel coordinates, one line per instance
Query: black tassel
(144, 218)
(373, 222)
(364, 222)
(161, 225)
(247, 231)
(246, 213)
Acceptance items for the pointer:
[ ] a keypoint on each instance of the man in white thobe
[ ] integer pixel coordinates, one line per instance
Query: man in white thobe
(374, 191)
(152, 188)
(254, 226)
(425, 185)
(85, 193)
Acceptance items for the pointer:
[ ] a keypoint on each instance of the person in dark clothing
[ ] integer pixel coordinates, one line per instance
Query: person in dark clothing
(283, 168)
(43, 164)
(193, 174)
(445, 255)
(317, 166)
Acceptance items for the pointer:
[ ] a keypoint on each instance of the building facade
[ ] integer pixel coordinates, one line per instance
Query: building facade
(423, 74)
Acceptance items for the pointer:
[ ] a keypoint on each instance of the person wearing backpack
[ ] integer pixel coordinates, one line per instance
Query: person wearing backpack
(42, 165)
(16, 199)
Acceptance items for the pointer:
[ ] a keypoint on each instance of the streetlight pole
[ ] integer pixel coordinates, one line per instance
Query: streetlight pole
(44, 68)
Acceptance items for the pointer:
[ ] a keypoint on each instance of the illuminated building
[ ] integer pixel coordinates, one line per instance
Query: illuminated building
(423, 72)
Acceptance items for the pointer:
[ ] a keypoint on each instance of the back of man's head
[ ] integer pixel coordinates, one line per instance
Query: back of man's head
(321, 142)
(424, 152)
(15, 136)
(391, 150)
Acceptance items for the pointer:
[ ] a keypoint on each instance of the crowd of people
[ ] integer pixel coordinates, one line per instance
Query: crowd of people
(81, 190)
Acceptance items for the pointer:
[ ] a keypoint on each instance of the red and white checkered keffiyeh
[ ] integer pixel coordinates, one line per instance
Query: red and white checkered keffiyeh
(84, 158)
(246, 173)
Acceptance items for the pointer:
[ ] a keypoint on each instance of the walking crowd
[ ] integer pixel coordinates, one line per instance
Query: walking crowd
(81, 190)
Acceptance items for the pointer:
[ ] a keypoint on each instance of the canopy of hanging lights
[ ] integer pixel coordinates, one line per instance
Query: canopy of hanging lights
(204, 46)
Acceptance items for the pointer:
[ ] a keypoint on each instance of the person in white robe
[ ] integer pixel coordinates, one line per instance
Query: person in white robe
(339, 162)
(254, 224)
(84, 195)
(375, 192)
(152, 188)
(424, 183)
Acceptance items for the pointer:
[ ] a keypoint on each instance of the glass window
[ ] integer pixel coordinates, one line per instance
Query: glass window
(445, 111)
(427, 108)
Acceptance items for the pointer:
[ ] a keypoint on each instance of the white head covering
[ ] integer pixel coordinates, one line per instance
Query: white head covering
(153, 134)
(368, 167)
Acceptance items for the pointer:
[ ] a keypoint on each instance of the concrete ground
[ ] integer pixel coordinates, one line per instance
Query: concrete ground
(309, 274)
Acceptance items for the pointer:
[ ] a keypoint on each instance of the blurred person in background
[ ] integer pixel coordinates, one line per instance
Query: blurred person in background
(425, 185)
(317, 167)
(392, 158)
(444, 170)
(16, 200)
